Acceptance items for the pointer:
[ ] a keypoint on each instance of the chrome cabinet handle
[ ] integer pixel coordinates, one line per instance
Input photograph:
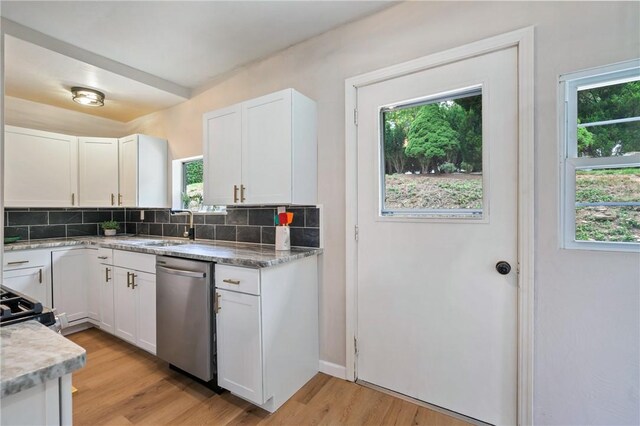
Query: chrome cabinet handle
(128, 279)
(235, 193)
(106, 275)
(19, 262)
(230, 281)
(103, 257)
(40, 275)
(133, 281)
(242, 188)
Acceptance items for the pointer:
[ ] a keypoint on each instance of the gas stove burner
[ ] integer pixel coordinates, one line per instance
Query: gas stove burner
(16, 307)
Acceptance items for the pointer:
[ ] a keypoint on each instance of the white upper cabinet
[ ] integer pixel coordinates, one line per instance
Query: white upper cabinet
(41, 169)
(222, 156)
(262, 151)
(44, 169)
(98, 170)
(144, 167)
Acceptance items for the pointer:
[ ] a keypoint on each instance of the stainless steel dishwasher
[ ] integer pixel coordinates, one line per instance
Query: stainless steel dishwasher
(184, 316)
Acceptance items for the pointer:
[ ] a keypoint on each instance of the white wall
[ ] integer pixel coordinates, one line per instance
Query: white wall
(587, 327)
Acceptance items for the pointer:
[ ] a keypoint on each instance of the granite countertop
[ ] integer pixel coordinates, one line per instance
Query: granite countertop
(229, 253)
(31, 353)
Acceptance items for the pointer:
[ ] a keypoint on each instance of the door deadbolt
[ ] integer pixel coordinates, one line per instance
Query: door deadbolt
(503, 267)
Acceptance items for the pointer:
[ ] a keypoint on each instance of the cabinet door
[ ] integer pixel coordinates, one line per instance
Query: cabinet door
(98, 172)
(30, 281)
(106, 298)
(124, 301)
(128, 153)
(222, 151)
(93, 283)
(239, 344)
(145, 289)
(266, 149)
(70, 277)
(41, 169)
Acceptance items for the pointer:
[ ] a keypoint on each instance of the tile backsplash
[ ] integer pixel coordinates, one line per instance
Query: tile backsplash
(241, 224)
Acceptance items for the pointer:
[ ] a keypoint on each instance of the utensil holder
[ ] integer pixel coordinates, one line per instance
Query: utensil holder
(283, 238)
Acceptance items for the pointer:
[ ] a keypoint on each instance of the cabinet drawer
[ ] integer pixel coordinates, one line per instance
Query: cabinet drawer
(105, 255)
(244, 280)
(25, 259)
(136, 261)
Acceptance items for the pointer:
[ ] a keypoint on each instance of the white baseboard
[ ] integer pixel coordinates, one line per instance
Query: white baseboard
(339, 371)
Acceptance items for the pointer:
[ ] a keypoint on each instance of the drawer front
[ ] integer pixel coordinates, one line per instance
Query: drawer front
(25, 259)
(136, 261)
(105, 255)
(235, 278)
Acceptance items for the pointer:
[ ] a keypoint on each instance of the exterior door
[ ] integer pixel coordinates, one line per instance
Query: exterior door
(437, 211)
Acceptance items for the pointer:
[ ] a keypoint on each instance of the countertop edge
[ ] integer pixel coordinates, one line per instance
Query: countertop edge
(167, 251)
(75, 360)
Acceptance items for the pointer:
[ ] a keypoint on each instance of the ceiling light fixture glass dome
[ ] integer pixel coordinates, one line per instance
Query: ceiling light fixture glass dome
(88, 97)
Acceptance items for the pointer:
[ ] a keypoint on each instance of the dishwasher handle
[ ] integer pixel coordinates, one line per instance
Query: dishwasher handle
(181, 272)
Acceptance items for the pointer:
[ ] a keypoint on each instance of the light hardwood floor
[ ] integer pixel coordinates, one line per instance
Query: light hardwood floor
(123, 385)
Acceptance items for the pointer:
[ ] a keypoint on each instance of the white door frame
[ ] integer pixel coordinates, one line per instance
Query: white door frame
(522, 39)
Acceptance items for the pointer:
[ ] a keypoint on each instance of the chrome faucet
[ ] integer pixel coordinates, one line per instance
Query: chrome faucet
(191, 233)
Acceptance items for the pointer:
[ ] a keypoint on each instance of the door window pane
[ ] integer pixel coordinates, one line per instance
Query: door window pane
(432, 157)
(608, 204)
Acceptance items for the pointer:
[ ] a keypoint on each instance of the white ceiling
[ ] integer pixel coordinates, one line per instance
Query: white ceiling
(41, 75)
(186, 43)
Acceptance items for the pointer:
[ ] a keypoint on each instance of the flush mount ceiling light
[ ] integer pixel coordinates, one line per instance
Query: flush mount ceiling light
(87, 97)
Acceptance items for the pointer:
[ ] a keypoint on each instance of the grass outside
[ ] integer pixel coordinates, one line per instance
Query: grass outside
(464, 191)
(608, 223)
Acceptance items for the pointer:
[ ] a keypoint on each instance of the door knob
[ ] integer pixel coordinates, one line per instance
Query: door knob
(503, 267)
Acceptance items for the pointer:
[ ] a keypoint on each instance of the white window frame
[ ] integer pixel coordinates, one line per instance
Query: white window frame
(177, 184)
(570, 162)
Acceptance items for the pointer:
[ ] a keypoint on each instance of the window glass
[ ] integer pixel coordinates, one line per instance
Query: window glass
(432, 157)
(608, 119)
(192, 183)
(608, 204)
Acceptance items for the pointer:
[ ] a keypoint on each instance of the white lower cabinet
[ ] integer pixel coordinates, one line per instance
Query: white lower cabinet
(29, 272)
(104, 278)
(29, 281)
(239, 337)
(135, 299)
(46, 404)
(73, 283)
(267, 330)
(124, 305)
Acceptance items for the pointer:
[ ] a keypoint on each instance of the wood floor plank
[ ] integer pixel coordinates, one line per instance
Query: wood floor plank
(123, 385)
